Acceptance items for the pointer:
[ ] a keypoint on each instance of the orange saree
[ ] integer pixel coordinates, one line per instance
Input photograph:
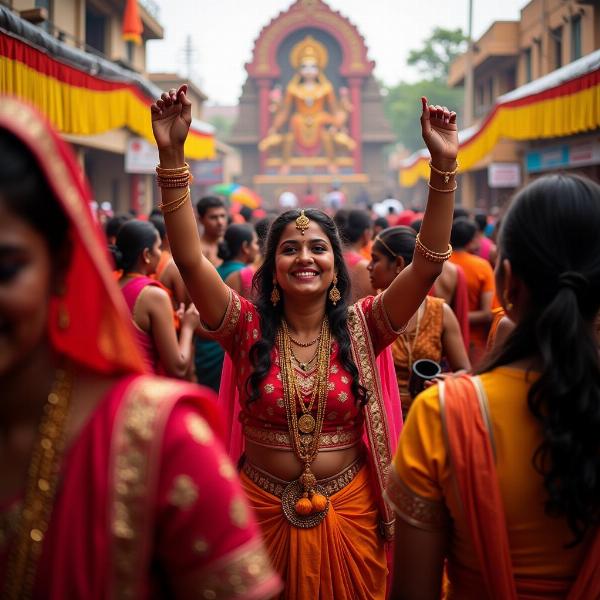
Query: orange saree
(470, 440)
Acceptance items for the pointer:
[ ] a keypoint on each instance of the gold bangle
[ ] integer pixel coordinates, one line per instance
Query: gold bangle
(174, 205)
(443, 191)
(163, 171)
(445, 174)
(174, 181)
(430, 255)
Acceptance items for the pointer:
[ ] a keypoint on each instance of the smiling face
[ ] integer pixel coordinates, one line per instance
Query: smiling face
(304, 264)
(25, 289)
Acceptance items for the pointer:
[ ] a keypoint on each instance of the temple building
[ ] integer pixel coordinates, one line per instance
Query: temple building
(311, 113)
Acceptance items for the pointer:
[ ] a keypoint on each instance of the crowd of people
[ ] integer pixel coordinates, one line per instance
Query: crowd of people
(240, 408)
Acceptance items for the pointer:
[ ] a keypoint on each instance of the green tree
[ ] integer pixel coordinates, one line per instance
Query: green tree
(438, 51)
(403, 106)
(222, 124)
(403, 101)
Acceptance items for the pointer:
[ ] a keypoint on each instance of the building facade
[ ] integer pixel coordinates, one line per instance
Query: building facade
(517, 64)
(74, 50)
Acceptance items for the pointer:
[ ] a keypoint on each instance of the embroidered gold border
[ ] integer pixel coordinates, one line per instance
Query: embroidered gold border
(244, 573)
(375, 418)
(135, 456)
(382, 319)
(414, 509)
(280, 439)
(230, 319)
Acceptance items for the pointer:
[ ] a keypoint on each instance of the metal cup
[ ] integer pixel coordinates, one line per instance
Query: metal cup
(422, 370)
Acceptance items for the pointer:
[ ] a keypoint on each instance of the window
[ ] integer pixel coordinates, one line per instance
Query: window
(47, 4)
(576, 37)
(527, 61)
(510, 80)
(558, 46)
(95, 29)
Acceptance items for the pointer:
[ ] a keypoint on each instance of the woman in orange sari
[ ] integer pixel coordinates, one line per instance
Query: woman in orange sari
(305, 369)
(499, 473)
(104, 470)
(433, 332)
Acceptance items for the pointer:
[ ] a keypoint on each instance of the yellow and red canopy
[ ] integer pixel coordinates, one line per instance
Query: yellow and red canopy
(565, 102)
(80, 103)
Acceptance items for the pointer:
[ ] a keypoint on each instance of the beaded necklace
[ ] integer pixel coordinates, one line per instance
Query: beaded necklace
(304, 503)
(40, 491)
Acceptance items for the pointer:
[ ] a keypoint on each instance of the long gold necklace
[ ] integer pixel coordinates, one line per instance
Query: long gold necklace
(42, 482)
(304, 503)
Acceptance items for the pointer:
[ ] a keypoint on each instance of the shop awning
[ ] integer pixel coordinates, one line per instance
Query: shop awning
(81, 93)
(564, 102)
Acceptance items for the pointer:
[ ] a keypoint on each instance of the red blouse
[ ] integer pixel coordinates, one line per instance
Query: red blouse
(265, 419)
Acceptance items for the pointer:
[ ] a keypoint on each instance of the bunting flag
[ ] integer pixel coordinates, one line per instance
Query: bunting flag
(132, 23)
(78, 103)
(534, 111)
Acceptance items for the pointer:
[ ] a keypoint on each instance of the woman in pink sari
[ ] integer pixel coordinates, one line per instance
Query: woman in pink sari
(113, 483)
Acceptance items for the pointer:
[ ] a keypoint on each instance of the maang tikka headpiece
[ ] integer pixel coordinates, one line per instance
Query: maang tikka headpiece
(302, 222)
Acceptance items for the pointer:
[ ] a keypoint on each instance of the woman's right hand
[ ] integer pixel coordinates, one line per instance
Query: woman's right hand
(171, 119)
(191, 318)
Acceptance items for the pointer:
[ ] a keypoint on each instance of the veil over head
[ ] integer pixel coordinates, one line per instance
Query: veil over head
(99, 333)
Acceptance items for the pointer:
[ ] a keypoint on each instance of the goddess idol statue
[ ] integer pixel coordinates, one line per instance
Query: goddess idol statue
(309, 121)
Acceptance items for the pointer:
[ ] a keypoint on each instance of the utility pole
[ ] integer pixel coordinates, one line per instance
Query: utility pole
(189, 56)
(469, 74)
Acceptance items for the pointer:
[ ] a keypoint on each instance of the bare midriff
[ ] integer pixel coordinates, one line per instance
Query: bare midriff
(284, 464)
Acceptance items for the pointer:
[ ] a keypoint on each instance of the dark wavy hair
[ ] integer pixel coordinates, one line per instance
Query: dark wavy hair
(270, 316)
(551, 236)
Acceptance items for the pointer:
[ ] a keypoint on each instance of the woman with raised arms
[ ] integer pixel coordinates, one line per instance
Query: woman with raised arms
(317, 440)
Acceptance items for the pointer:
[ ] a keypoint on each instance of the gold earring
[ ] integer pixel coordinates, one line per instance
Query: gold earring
(509, 305)
(64, 320)
(275, 296)
(334, 293)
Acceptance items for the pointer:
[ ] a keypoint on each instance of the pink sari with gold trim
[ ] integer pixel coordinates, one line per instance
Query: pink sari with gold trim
(132, 517)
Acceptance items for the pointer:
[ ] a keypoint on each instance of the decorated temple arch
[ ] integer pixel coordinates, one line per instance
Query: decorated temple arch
(311, 114)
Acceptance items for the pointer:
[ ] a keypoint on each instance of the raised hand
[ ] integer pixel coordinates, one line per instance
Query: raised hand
(440, 133)
(171, 119)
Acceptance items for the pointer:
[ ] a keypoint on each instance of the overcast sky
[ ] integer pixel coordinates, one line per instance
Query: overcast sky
(223, 34)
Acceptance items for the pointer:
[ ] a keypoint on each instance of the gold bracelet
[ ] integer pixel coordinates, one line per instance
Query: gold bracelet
(445, 174)
(443, 191)
(430, 255)
(174, 181)
(175, 204)
(163, 171)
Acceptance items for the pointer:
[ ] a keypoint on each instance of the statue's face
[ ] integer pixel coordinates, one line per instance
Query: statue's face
(309, 70)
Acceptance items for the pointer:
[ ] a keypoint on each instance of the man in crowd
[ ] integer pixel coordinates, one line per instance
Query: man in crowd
(480, 284)
(212, 216)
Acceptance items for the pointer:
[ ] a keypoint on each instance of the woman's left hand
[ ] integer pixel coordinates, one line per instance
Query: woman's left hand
(440, 133)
